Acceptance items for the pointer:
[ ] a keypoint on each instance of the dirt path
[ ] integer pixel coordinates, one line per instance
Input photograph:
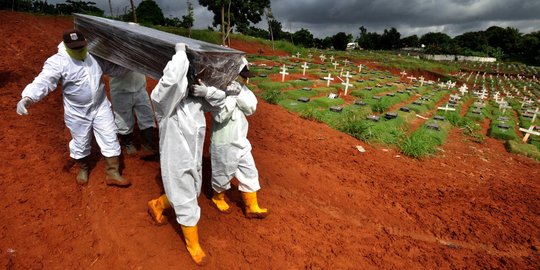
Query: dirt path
(473, 206)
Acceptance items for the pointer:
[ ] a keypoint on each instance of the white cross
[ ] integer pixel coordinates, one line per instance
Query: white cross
(534, 115)
(463, 89)
(341, 73)
(455, 97)
(441, 85)
(304, 66)
(529, 132)
(331, 58)
(283, 72)
(446, 108)
(403, 73)
(310, 55)
(411, 78)
(421, 81)
(346, 62)
(322, 57)
(298, 55)
(328, 79)
(335, 64)
(359, 68)
(347, 85)
(347, 75)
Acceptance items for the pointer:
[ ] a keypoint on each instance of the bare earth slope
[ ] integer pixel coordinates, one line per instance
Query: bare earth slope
(473, 206)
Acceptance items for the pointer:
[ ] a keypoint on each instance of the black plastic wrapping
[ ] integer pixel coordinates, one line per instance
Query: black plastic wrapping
(148, 50)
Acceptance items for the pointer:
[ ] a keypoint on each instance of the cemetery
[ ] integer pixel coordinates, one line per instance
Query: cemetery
(367, 159)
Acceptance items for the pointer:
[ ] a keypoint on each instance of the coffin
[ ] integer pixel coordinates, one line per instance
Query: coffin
(148, 50)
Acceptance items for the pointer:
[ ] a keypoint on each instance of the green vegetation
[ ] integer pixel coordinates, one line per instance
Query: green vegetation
(515, 146)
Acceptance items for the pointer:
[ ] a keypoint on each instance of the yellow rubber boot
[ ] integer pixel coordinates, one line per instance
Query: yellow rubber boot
(191, 235)
(156, 208)
(218, 201)
(252, 207)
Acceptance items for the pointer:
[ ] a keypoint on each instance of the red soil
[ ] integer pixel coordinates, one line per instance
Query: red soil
(472, 206)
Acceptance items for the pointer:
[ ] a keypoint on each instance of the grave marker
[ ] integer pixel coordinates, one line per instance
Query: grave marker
(283, 72)
(359, 68)
(411, 78)
(335, 64)
(529, 132)
(421, 81)
(328, 79)
(403, 73)
(303, 99)
(446, 108)
(463, 89)
(304, 66)
(347, 85)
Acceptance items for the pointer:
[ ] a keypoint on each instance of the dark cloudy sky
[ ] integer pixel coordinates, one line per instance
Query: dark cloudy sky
(326, 17)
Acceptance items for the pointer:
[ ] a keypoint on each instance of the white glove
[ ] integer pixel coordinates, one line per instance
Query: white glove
(233, 89)
(22, 106)
(199, 90)
(180, 47)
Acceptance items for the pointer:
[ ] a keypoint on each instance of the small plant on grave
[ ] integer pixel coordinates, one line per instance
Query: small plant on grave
(355, 125)
(271, 96)
(381, 106)
(453, 118)
(421, 143)
(311, 113)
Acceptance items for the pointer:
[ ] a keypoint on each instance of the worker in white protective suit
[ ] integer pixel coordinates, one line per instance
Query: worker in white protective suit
(230, 150)
(129, 97)
(86, 108)
(182, 127)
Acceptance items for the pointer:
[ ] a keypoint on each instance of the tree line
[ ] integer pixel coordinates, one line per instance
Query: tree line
(502, 43)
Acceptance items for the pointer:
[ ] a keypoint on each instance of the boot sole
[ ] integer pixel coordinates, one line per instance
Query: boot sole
(256, 215)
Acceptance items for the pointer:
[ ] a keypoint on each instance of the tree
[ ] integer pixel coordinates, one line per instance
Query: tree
(340, 40)
(187, 20)
(149, 13)
(239, 12)
(303, 37)
(436, 42)
(390, 39)
(475, 41)
(410, 41)
(369, 40)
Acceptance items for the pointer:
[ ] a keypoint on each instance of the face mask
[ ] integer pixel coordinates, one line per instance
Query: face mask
(79, 54)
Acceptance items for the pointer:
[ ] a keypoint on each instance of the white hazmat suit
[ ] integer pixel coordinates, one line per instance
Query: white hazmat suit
(230, 149)
(182, 127)
(128, 96)
(86, 108)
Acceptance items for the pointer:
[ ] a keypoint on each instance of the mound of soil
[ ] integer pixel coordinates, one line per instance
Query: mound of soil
(473, 206)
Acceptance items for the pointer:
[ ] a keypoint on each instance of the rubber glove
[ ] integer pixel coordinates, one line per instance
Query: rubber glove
(180, 47)
(22, 106)
(199, 90)
(233, 89)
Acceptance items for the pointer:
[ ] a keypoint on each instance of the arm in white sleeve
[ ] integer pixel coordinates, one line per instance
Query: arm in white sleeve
(226, 111)
(46, 81)
(246, 101)
(215, 97)
(172, 87)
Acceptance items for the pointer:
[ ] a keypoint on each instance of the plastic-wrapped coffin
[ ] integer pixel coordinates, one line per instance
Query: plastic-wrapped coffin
(148, 50)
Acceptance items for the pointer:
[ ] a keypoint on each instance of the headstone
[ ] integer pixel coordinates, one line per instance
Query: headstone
(503, 126)
(376, 97)
(373, 118)
(433, 126)
(368, 88)
(502, 119)
(417, 103)
(390, 94)
(333, 95)
(404, 109)
(360, 81)
(303, 99)
(263, 75)
(390, 115)
(306, 89)
(336, 109)
(439, 117)
(360, 103)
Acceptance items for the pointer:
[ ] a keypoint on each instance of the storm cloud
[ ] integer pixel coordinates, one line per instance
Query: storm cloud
(326, 18)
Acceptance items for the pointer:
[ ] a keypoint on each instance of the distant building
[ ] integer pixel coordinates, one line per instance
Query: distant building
(352, 46)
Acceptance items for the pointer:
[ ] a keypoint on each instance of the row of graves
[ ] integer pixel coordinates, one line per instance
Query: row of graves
(369, 104)
(512, 104)
(501, 68)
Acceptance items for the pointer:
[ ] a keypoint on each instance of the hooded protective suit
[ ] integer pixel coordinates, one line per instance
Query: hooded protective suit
(182, 127)
(86, 107)
(128, 96)
(230, 149)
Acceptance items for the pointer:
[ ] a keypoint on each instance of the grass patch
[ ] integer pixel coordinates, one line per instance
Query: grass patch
(529, 150)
